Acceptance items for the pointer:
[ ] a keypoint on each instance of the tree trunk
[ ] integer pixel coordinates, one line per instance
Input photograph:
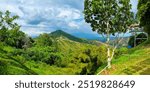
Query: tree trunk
(108, 55)
(108, 47)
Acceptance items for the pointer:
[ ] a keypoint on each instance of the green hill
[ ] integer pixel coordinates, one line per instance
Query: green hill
(60, 33)
(64, 56)
(135, 61)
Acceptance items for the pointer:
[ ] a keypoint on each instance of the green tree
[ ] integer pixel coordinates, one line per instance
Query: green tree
(18, 39)
(44, 40)
(7, 23)
(109, 17)
(10, 31)
(143, 14)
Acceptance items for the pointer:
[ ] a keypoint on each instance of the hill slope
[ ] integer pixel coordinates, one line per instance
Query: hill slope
(12, 64)
(60, 33)
(135, 62)
(64, 56)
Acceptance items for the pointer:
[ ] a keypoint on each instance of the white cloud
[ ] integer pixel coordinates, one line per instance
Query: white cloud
(73, 25)
(12, 8)
(69, 13)
(33, 31)
(50, 15)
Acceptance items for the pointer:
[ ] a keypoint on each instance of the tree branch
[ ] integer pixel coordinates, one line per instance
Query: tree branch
(113, 52)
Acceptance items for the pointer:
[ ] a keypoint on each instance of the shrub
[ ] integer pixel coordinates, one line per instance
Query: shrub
(84, 58)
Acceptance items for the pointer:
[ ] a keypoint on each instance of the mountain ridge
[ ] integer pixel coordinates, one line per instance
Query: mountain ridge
(60, 33)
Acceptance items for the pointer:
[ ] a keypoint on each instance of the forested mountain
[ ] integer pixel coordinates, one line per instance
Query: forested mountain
(63, 56)
(55, 53)
(60, 33)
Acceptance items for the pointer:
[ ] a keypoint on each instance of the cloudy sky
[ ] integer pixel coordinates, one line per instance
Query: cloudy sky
(45, 16)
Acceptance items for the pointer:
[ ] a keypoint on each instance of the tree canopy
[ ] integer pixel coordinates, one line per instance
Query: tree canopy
(104, 15)
(10, 32)
(144, 14)
(7, 23)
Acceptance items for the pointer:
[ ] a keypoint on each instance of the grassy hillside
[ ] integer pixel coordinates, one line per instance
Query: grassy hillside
(135, 61)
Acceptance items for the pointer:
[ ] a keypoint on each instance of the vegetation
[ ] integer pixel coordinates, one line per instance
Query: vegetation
(59, 33)
(143, 14)
(61, 53)
(54, 53)
(135, 61)
(65, 57)
(109, 17)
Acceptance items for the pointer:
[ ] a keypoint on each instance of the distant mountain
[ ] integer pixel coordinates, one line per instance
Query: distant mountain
(60, 33)
(89, 36)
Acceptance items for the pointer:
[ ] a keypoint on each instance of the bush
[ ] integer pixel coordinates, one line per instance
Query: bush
(58, 59)
(96, 58)
(3, 66)
(99, 55)
(84, 58)
(18, 39)
(47, 55)
(83, 71)
(123, 50)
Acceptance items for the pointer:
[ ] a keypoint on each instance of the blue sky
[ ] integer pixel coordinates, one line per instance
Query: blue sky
(45, 16)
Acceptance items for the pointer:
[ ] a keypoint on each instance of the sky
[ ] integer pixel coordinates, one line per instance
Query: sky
(45, 16)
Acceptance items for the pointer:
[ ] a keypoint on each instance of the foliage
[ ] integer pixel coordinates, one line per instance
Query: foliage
(54, 53)
(94, 58)
(9, 32)
(121, 51)
(109, 17)
(18, 39)
(104, 15)
(7, 23)
(143, 14)
(135, 62)
(147, 29)
(44, 40)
